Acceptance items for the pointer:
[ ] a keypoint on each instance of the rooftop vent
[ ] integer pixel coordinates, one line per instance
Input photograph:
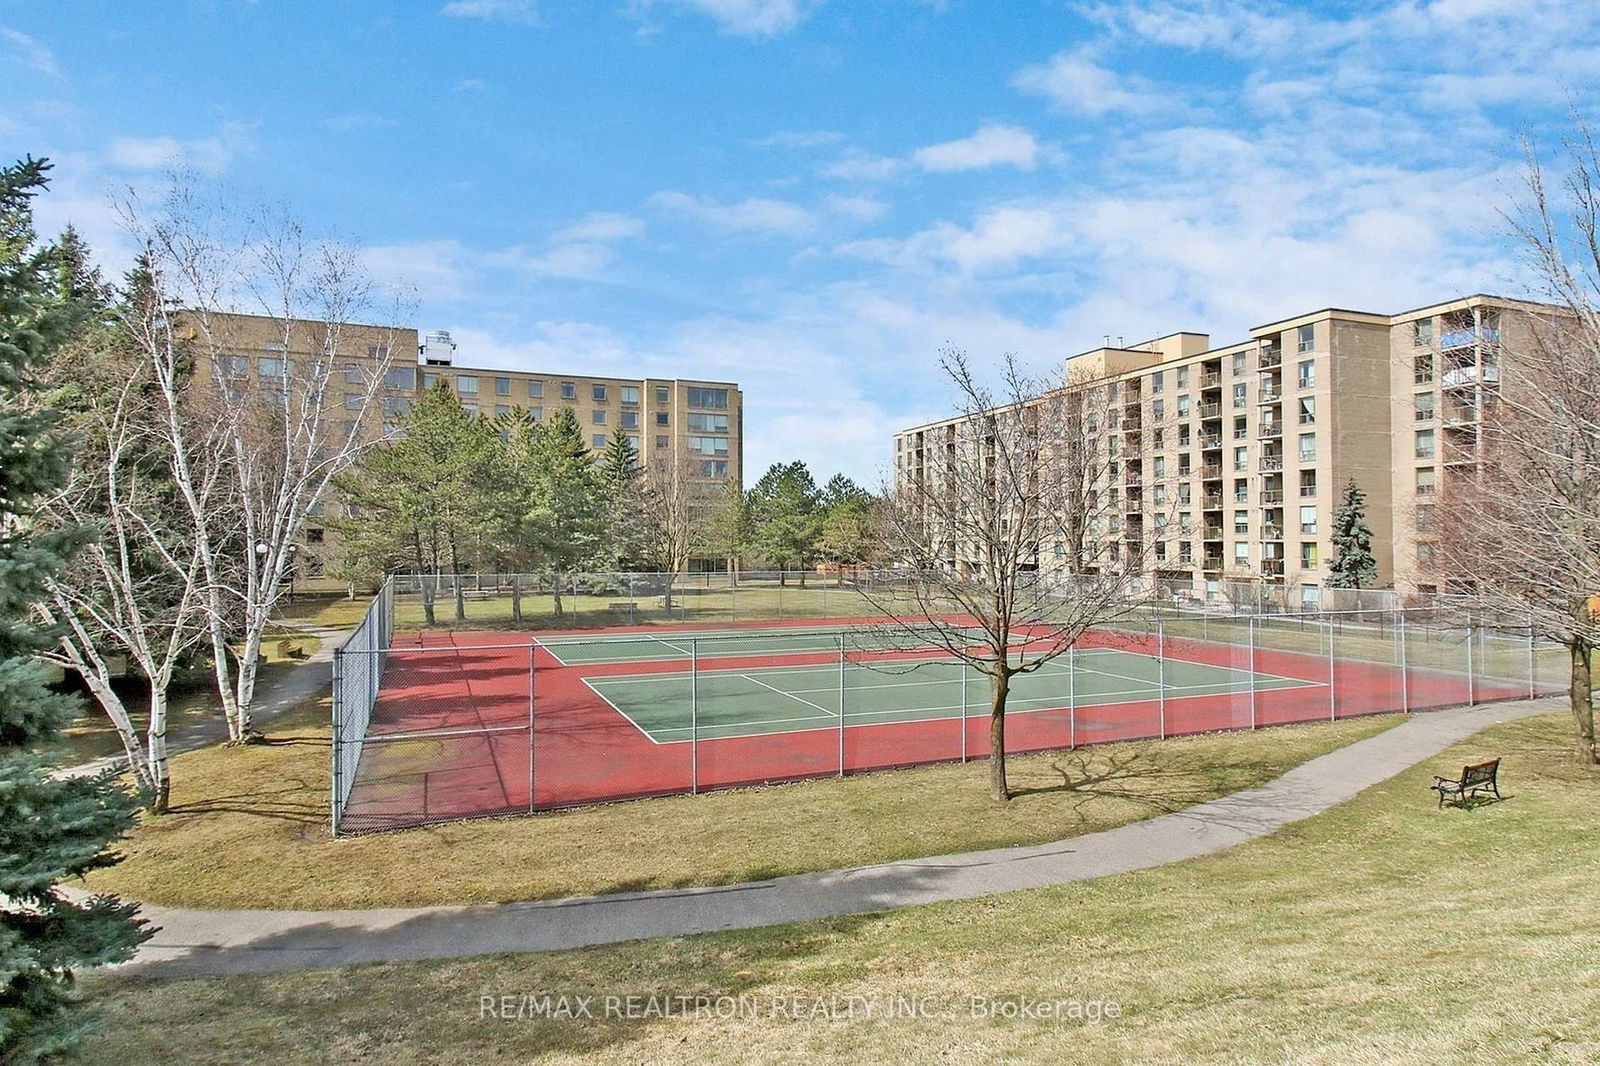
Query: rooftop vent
(437, 348)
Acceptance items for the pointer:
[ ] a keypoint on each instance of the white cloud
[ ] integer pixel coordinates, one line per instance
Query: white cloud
(32, 52)
(517, 11)
(358, 121)
(437, 269)
(573, 259)
(754, 215)
(751, 18)
(602, 226)
(860, 166)
(471, 85)
(799, 139)
(999, 238)
(991, 146)
(207, 155)
(1074, 82)
(861, 208)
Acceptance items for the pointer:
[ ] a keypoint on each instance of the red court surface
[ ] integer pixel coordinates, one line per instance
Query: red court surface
(474, 724)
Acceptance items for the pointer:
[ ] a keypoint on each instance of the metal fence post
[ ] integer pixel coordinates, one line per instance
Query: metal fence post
(1072, 695)
(1252, 631)
(694, 717)
(333, 806)
(1333, 689)
(1161, 678)
(1405, 673)
(533, 674)
(841, 705)
(1533, 676)
(1472, 695)
(961, 664)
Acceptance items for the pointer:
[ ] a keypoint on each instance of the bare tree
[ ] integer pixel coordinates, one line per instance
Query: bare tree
(673, 517)
(282, 433)
(1518, 523)
(1008, 530)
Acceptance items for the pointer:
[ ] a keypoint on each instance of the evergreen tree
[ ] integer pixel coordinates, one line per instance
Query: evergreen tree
(565, 520)
(1353, 566)
(624, 488)
(786, 516)
(50, 828)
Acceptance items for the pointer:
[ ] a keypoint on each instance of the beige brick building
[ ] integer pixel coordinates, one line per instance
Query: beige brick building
(1239, 454)
(679, 427)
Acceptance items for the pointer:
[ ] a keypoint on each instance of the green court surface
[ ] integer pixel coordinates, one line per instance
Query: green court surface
(708, 644)
(779, 699)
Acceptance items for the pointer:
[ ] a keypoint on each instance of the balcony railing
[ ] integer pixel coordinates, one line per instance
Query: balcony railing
(1470, 375)
(1212, 503)
(1212, 380)
(1212, 533)
(1460, 338)
(1269, 394)
(1211, 562)
(1267, 358)
(1271, 462)
(1211, 470)
(1270, 431)
(1210, 441)
(1272, 567)
(1131, 478)
(1271, 497)
(1271, 532)
(1211, 410)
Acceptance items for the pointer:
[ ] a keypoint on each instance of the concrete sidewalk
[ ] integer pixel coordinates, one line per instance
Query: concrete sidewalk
(258, 941)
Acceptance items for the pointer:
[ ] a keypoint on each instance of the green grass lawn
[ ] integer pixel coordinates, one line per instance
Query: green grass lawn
(1382, 932)
(248, 826)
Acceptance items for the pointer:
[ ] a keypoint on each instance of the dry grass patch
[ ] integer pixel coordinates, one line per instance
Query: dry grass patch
(1382, 932)
(248, 826)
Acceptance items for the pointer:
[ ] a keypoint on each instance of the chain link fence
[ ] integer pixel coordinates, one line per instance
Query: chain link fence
(435, 726)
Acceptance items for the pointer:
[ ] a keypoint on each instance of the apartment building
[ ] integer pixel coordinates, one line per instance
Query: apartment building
(1226, 465)
(679, 427)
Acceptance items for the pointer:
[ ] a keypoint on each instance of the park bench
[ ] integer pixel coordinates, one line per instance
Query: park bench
(1479, 777)
(621, 607)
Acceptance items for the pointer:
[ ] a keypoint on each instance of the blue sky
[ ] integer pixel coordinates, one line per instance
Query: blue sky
(811, 197)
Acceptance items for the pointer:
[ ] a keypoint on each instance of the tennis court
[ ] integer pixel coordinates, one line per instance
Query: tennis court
(465, 724)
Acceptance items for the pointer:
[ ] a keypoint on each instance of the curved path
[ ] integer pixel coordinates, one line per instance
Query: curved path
(259, 941)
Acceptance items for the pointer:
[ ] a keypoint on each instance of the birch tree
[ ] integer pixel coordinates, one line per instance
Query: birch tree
(282, 433)
(1023, 468)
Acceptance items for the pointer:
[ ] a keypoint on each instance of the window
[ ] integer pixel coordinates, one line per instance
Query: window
(630, 419)
(1158, 410)
(1241, 458)
(1308, 483)
(1424, 444)
(1422, 407)
(1241, 553)
(661, 442)
(1157, 381)
(1241, 522)
(1307, 337)
(598, 440)
(1239, 397)
(633, 442)
(1183, 377)
(1308, 555)
(716, 399)
(1424, 518)
(1308, 447)
(352, 401)
(1241, 491)
(535, 390)
(703, 423)
(1308, 374)
(1308, 410)
(598, 418)
(598, 392)
(471, 409)
(1183, 435)
(429, 379)
(1308, 519)
(1422, 332)
(629, 394)
(1241, 428)
(502, 386)
(352, 374)
(1238, 363)
(275, 368)
(713, 468)
(709, 445)
(1425, 554)
(1185, 494)
(233, 366)
(502, 410)
(663, 394)
(536, 414)
(1309, 599)
(1427, 484)
(466, 385)
(569, 390)
(400, 377)
(662, 418)
(1156, 438)
(1422, 369)
(1183, 407)
(1160, 466)
(396, 406)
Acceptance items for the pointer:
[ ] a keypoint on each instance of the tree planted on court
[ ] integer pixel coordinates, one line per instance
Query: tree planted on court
(1017, 482)
(52, 828)
(1353, 565)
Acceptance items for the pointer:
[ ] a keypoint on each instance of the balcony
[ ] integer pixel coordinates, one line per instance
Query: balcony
(1272, 567)
(1211, 410)
(1269, 394)
(1272, 497)
(1269, 431)
(1461, 338)
(1211, 471)
(1270, 463)
(1210, 441)
(1271, 532)
(1470, 375)
(1268, 358)
(1213, 502)
(1211, 533)
(1461, 416)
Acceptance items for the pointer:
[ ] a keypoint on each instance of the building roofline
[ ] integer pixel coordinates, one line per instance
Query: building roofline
(458, 367)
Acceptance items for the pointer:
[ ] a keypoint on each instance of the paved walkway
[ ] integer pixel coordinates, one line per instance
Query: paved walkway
(288, 689)
(259, 941)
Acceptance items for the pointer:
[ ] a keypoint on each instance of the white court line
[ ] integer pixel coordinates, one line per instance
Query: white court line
(791, 695)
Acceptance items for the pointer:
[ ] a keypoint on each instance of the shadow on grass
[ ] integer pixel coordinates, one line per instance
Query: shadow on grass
(1170, 783)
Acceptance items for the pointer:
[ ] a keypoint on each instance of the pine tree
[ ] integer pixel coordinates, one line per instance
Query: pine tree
(624, 491)
(566, 505)
(786, 517)
(1353, 565)
(50, 828)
